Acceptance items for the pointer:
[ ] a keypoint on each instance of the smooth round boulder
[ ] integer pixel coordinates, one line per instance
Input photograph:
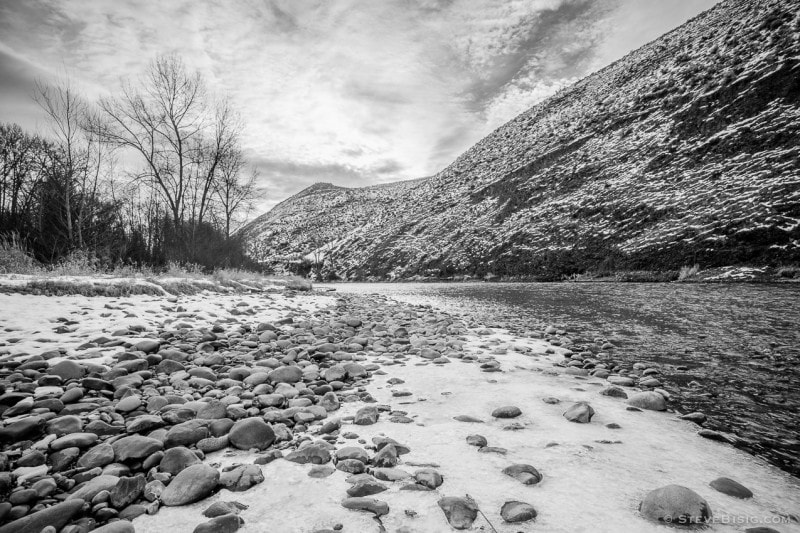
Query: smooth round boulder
(251, 433)
(177, 459)
(514, 511)
(649, 400)
(675, 504)
(190, 485)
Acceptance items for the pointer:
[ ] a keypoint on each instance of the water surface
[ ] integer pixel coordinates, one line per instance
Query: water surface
(737, 345)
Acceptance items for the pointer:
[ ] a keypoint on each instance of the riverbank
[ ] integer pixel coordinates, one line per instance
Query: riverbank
(189, 372)
(694, 274)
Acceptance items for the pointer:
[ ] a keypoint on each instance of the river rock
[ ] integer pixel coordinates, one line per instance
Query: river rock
(177, 459)
(100, 455)
(580, 412)
(314, 453)
(524, 473)
(460, 512)
(377, 507)
(251, 433)
(67, 370)
(222, 508)
(117, 526)
(242, 477)
(56, 516)
(127, 491)
(93, 487)
(228, 523)
(650, 400)
(731, 488)
(147, 346)
(286, 374)
(190, 485)
(615, 392)
(508, 411)
(622, 381)
(676, 505)
(514, 511)
(74, 440)
(366, 416)
(477, 440)
(429, 478)
(386, 456)
(64, 425)
(135, 447)
(366, 487)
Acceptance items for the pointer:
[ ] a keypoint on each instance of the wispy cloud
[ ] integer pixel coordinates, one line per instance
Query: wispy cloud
(348, 91)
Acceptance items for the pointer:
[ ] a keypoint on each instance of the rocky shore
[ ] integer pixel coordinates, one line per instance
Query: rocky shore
(314, 413)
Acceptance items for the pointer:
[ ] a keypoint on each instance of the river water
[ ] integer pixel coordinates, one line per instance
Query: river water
(737, 345)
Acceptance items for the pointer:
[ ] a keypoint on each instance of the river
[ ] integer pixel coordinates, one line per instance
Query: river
(737, 345)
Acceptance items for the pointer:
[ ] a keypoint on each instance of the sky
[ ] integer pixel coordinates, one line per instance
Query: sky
(352, 92)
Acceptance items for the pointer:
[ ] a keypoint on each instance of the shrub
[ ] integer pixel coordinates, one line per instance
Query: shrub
(14, 257)
(688, 272)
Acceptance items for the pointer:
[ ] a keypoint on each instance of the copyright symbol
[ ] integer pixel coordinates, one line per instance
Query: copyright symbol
(668, 519)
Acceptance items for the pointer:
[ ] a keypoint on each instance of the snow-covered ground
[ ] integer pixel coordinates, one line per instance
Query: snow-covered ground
(588, 486)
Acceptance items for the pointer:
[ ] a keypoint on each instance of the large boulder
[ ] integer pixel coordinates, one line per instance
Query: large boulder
(675, 504)
(190, 485)
(251, 433)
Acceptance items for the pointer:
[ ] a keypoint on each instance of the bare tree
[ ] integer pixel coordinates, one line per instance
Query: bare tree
(234, 190)
(169, 121)
(66, 110)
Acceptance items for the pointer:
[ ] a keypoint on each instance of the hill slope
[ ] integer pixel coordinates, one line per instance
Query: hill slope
(686, 150)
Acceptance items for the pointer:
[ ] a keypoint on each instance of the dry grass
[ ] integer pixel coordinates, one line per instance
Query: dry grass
(92, 277)
(688, 272)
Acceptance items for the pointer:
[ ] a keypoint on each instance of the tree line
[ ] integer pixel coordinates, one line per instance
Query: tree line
(153, 174)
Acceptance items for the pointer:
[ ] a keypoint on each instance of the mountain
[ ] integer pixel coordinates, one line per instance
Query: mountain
(685, 151)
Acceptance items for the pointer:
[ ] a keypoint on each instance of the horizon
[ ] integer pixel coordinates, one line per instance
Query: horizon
(351, 93)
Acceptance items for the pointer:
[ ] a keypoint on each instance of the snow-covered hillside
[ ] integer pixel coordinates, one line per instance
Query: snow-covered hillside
(686, 150)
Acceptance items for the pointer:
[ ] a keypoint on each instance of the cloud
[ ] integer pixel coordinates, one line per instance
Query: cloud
(348, 91)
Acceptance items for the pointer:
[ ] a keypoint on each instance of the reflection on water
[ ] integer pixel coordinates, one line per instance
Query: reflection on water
(738, 346)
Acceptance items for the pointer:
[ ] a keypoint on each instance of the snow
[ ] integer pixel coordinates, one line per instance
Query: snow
(587, 486)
